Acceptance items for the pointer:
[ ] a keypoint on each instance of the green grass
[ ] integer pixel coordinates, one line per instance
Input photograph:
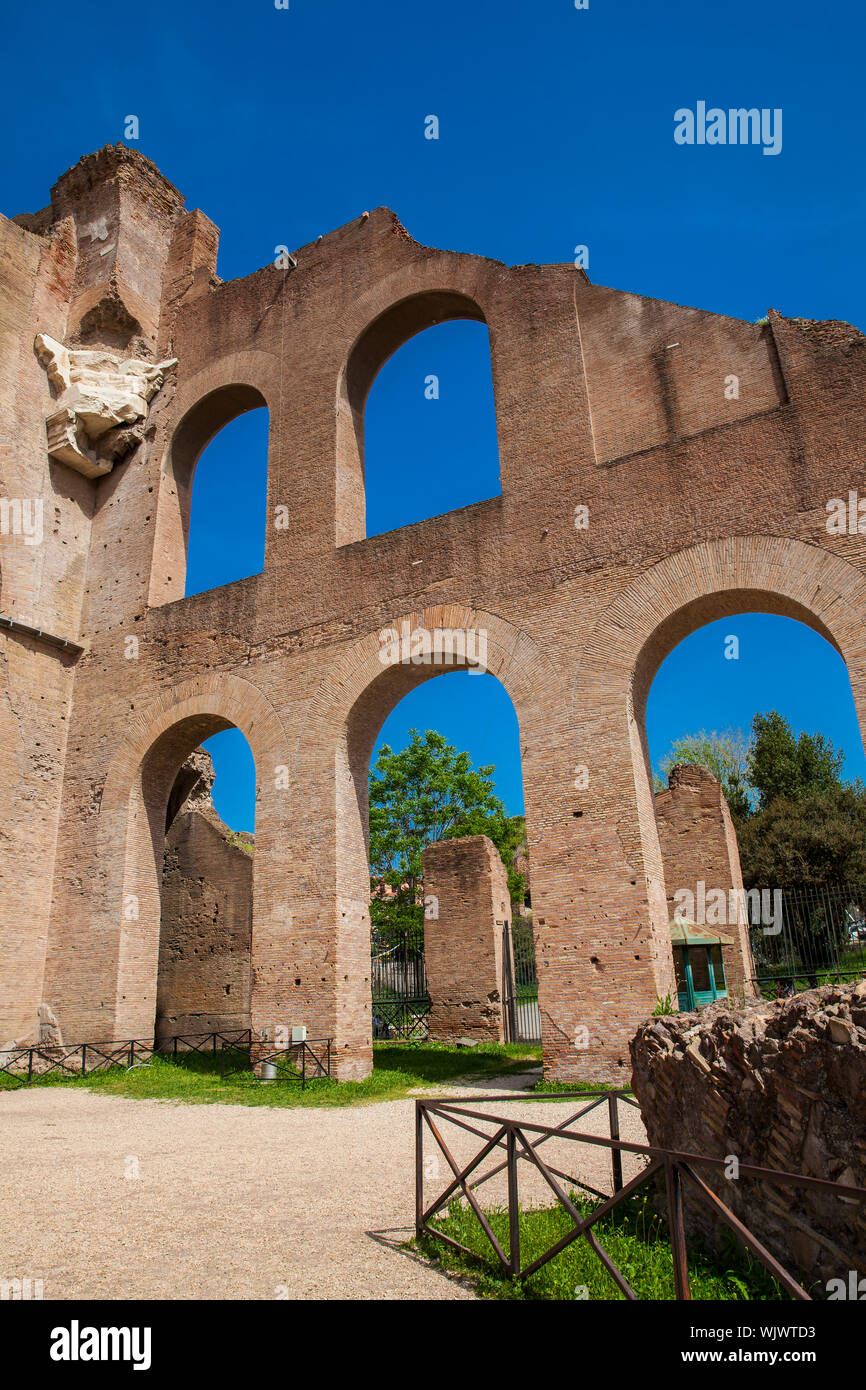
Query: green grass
(552, 1088)
(633, 1235)
(397, 1069)
(811, 979)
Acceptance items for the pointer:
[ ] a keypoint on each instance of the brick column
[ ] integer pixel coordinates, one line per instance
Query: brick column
(466, 900)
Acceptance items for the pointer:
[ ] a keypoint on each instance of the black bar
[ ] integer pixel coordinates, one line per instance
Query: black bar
(615, 1154)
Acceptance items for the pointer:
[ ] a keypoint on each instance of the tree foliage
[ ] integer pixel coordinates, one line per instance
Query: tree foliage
(428, 791)
(725, 755)
(782, 765)
(797, 822)
(818, 839)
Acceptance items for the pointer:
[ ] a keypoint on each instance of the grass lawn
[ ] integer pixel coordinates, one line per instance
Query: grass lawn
(397, 1069)
(633, 1235)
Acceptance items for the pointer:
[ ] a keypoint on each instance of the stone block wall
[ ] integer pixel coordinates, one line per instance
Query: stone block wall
(781, 1085)
(466, 897)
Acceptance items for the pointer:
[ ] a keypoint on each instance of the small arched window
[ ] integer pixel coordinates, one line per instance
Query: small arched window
(416, 418)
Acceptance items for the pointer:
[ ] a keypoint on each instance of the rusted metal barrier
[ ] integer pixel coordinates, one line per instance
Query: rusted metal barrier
(307, 1064)
(520, 1141)
(22, 1064)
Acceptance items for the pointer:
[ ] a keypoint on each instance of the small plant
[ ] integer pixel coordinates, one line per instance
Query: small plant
(664, 1006)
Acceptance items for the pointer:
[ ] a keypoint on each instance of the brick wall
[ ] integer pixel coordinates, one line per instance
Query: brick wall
(700, 505)
(205, 940)
(466, 902)
(778, 1085)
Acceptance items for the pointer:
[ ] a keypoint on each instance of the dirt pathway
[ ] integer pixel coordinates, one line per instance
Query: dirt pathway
(104, 1197)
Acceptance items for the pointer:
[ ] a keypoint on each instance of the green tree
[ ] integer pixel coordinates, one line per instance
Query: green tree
(797, 822)
(796, 769)
(725, 755)
(818, 839)
(426, 792)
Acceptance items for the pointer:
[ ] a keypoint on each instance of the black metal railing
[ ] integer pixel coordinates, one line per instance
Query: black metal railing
(295, 1061)
(520, 1141)
(520, 982)
(235, 1048)
(401, 1000)
(808, 936)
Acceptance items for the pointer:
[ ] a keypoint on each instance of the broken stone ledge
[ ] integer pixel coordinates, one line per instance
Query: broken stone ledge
(778, 1084)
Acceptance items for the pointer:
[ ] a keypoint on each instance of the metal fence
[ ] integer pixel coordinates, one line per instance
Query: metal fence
(401, 1000)
(810, 936)
(520, 1140)
(233, 1048)
(520, 982)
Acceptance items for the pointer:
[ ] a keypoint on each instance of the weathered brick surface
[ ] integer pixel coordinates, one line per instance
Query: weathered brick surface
(778, 1085)
(700, 506)
(699, 844)
(466, 906)
(205, 938)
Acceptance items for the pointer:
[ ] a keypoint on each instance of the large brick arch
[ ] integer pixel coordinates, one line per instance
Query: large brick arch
(603, 398)
(132, 821)
(648, 618)
(330, 767)
(227, 387)
(770, 574)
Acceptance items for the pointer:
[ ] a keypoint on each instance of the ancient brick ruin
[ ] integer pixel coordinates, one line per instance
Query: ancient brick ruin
(660, 467)
(204, 979)
(467, 910)
(699, 845)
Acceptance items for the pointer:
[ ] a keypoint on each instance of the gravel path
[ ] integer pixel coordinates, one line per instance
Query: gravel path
(230, 1202)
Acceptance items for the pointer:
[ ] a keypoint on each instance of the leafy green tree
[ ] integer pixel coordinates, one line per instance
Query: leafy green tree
(782, 765)
(426, 792)
(725, 755)
(818, 839)
(797, 822)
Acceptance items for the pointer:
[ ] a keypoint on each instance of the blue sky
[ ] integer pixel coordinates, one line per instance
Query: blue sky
(556, 129)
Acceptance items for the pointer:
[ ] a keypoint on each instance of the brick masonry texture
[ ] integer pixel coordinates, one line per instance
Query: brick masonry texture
(700, 506)
(463, 929)
(698, 843)
(779, 1085)
(205, 938)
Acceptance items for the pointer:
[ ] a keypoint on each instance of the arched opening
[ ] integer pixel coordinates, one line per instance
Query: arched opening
(204, 978)
(213, 496)
(452, 940)
(763, 704)
(226, 540)
(416, 421)
(623, 898)
(408, 670)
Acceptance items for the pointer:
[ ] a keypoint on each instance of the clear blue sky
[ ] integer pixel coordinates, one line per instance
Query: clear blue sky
(556, 129)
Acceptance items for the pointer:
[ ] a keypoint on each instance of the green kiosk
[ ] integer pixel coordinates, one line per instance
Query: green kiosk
(698, 963)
